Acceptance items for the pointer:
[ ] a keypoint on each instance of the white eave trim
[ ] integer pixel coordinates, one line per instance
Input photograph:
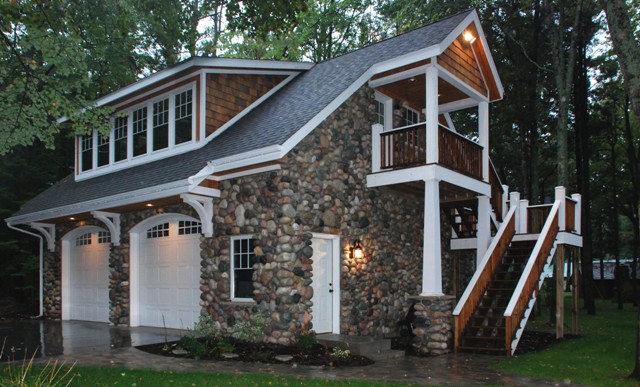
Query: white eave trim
(123, 199)
(456, 32)
(220, 63)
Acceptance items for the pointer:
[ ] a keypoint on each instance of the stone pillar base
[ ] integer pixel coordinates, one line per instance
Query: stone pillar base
(433, 325)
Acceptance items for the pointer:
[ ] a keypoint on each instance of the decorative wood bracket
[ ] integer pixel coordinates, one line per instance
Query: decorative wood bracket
(49, 232)
(112, 221)
(204, 207)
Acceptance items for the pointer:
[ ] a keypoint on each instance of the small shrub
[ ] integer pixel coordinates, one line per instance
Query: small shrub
(306, 339)
(196, 348)
(251, 331)
(208, 328)
(339, 353)
(225, 347)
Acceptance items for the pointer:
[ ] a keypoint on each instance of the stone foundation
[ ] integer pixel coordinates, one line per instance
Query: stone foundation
(433, 325)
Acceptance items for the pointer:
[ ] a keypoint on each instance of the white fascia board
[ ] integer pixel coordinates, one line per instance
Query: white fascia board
(241, 160)
(568, 238)
(324, 113)
(247, 172)
(406, 59)
(420, 70)
(463, 181)
(249, 108)
(424, 172)
(473, 18)
(132, 197)
(221, 63)
(464, 243)
(457, 105)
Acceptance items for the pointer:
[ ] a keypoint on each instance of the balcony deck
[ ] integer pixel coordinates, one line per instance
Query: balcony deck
(406, 147)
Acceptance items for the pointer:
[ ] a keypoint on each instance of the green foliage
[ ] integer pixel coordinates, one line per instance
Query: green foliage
(225, 347)
(306, 339)
(339, 353)
(602, 356)
(251, 331)
(142, 378)
(196, 348)
(208, 328)
(25, 374)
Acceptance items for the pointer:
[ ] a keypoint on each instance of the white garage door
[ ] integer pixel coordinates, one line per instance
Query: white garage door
(170, 275)
(89, 277)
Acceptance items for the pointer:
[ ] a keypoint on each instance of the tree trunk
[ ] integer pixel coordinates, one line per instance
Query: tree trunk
(583, 158)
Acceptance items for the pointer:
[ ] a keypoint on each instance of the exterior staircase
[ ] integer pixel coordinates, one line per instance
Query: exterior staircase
(493, 311)
(486, 330)
(372, 347)
(463, 218)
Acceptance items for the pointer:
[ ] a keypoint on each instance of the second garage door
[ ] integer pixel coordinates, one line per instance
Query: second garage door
(170, 274)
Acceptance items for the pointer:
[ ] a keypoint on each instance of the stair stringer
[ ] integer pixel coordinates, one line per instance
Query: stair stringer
(532, 300)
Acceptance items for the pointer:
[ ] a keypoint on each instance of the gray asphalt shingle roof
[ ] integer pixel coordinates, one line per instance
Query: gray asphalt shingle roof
(271, 123)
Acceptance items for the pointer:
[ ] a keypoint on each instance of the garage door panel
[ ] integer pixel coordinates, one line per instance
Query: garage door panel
(169, 289)
(89, 279)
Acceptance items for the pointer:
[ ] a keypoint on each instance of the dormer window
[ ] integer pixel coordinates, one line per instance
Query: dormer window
(146, 131)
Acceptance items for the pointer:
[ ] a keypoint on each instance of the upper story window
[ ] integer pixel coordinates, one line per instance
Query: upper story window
(142, 132)
(379, 112)
(411, 117)
(242, 260)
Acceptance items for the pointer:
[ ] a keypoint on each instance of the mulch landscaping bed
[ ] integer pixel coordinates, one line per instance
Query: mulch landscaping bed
(316, 355)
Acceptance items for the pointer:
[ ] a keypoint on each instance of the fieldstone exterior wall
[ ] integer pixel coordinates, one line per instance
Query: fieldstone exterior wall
(319, 188)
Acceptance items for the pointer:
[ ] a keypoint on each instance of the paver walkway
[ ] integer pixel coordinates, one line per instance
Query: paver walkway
(101, 345)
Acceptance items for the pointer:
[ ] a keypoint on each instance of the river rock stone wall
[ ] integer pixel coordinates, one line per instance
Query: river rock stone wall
(320, 187)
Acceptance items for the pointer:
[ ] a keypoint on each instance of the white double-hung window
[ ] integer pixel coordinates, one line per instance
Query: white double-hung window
(242, 260)
(145, 131)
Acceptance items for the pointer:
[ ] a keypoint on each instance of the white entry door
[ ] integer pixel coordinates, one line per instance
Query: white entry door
(170, 275)
(89, 277)
(325, 287)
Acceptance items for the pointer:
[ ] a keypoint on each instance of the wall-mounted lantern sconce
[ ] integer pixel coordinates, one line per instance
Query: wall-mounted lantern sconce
(355, 250)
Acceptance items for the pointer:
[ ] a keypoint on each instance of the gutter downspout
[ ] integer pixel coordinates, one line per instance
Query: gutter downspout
(41, 264)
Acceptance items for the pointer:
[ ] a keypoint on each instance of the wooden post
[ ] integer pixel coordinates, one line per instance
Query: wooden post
(560, 292)
(575, 291)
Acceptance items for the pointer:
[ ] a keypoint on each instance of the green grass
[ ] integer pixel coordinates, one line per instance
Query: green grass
(603, 355)
(84, 376)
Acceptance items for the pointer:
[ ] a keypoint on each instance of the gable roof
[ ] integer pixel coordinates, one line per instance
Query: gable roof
(268, 132)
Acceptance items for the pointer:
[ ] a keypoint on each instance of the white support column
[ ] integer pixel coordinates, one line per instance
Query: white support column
(578, 221)
(483, 235)
(561, 196)
(483, 136)
(376, 131)
(524, 216)
(432, 254)
(505, 200)
(431, 113)
(514, 199)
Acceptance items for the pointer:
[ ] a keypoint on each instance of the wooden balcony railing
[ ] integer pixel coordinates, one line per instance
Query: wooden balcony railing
(459, 153)
(536, 217)
(529, 281)
(570, 215)
(406, 147)
(497, 192)
(482, 277)
(403, 147)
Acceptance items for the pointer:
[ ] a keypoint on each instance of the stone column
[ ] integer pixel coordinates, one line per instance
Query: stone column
(433, 325)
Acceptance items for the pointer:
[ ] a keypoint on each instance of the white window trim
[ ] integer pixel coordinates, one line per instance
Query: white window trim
(388, 109)
(232, 289)
(150, 155)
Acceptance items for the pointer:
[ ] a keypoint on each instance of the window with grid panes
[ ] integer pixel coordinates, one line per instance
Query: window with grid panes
(183, 117)
(161, 124)
(242, 260)
(120, 133)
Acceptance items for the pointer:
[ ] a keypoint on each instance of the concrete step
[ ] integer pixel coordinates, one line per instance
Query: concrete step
(372, 347)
